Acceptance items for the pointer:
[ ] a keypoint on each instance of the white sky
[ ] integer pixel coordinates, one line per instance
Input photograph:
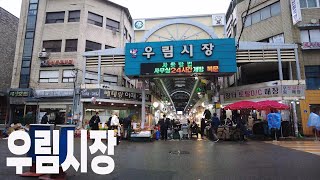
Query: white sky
(151, 8)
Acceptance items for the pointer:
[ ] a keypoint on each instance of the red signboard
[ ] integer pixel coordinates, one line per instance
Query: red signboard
(57, 62)
(310, 45)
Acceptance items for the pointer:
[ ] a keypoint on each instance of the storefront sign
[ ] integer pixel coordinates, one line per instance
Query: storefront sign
(20, 93)
(57, 62)
(295, 11)
(169, 54)
(113, 94)
(53, 93)
(252, 92)
(201, 67)
(310, 45)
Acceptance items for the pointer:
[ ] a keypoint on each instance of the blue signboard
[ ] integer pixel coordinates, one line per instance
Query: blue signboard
(193, 53)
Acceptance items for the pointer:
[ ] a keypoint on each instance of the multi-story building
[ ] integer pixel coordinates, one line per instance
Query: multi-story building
(52, 37)
(8, 35)
(272, 21)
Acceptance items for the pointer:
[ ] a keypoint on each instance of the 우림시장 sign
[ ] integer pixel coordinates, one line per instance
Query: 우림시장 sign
(221, 51)
(166, 68)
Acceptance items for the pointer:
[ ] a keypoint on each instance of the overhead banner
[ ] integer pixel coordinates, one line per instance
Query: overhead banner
(295, 11)
(264, 90)
(181, 57)
(113, 94)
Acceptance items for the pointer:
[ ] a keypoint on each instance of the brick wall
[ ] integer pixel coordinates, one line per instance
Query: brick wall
(8, 36)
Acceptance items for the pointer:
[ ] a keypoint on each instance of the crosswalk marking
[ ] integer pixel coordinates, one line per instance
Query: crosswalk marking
(305, 146)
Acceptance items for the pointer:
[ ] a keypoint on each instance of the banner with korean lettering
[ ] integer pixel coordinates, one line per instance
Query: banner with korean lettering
(113, 94)
(295, 11)
(223, 51)
(233, 94)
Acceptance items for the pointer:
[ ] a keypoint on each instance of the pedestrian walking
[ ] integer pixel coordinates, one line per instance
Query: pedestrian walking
(214, 127)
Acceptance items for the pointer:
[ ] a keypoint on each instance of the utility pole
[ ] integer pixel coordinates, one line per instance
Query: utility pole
(74, 99)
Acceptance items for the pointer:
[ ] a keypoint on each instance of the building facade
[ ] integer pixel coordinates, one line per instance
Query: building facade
(271, 21)
(52, 37)
(8, 36)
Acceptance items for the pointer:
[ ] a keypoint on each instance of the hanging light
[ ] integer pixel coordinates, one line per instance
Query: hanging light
(135, 105)
(155, 104)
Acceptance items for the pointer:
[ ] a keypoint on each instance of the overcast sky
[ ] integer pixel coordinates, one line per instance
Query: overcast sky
(151, 8)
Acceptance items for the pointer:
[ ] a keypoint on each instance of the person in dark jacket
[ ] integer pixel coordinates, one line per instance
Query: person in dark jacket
(203, 125)
(214, 126)
(127, 127)
(94, 122)
(207, 114)
(163, 128)
(45, 119)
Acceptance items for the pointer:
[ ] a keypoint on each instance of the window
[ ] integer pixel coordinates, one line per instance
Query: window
(31, 22)
(312, 3)
(95, 19)
(255, 17)
(74, 16)
(112, 24)
(55, 17)
(33, 6)
(49, 77)
(28, 46)
(314, 35)
(248, 21)
(68, 76)
(310, 35)
(91, 77)
(52, 46)
(275, 9)
(309, 3)
(108, 47)
(312, 77)
(277, 39)
(110, 79)
(265, 13)
(29, 35)
(262, 14)
(71, 45)
(92, 46)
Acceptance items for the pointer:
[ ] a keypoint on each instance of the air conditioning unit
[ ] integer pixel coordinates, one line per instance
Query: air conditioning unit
(43, 54)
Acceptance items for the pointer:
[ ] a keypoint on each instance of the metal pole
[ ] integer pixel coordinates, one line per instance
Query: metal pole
(297, 63)
(99, 70)
(143, 107)
(295, 119)
(290, 71)
(280, 65)
(84, 70)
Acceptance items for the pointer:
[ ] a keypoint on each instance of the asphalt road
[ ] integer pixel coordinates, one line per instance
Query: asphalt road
(196, 160)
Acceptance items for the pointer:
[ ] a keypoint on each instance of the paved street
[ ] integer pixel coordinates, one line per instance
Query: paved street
(198, 160)
(306, 146)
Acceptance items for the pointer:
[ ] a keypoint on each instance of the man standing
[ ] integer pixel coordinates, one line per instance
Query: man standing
(214, 127)
(203, 125)
(94, 122)
(45, 119)
(163, 128)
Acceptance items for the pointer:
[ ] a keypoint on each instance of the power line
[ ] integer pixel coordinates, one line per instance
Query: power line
(244, 21)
